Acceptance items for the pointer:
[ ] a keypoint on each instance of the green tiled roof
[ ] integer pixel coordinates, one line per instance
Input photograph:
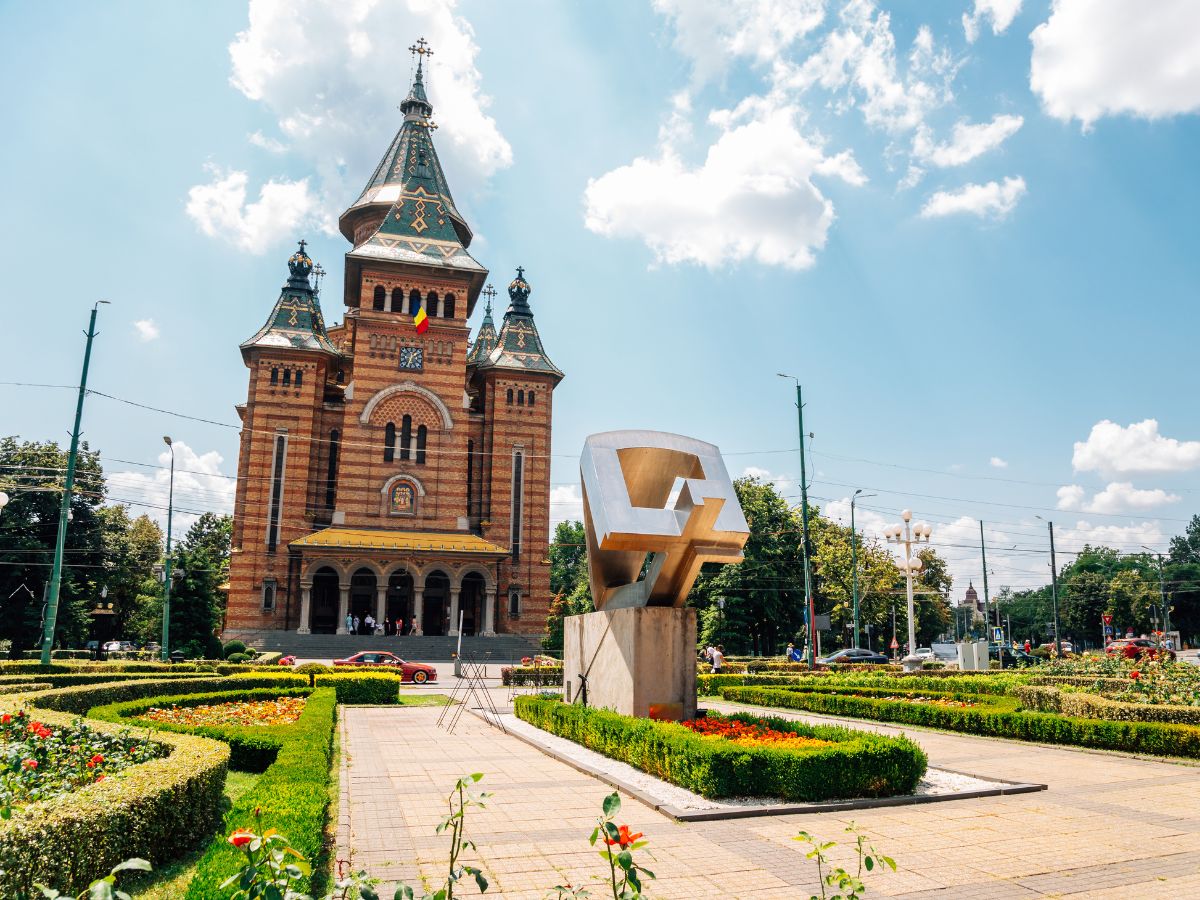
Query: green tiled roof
(518, 346)
(296, 322)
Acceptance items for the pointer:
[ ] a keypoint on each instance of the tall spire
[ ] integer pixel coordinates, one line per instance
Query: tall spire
(417, 103)
(485, 341)
(519, 346)
(296, 322)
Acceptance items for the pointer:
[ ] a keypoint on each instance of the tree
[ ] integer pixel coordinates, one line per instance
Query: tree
(132, 548)
(578, 602)
(198, 597)
(877, 576)
(568, 557)
(1185, 548)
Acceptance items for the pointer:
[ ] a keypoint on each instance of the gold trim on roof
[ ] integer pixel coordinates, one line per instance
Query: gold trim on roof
(428, 541)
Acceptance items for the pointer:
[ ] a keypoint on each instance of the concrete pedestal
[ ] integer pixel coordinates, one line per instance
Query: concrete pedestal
(638, 661)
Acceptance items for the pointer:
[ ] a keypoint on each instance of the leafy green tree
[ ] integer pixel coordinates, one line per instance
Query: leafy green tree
(1185, 548)
(197, 596)
(568, 557)
(132, 548)
(877, 577)
(578, 602)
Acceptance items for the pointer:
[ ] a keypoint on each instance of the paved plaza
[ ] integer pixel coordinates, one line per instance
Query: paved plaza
(1109, 825)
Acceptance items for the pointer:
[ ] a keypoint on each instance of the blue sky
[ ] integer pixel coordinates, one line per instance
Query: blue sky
(968, 227)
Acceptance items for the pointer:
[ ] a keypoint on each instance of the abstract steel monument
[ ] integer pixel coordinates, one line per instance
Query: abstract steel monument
(636, 653)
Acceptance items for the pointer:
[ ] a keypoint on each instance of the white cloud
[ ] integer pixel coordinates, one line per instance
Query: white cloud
(1070, 496)
(1126, 538)
(146, 330)
(566, 504)
(1122, 496)
(271, 145)
(992, 200)
(1001, 12)
(332, 74)
(220, 210)
(711, 33)
(967, 143)
(997, 463)
(751, 199)
(199, 487)
(1139, 447)
(1094, 58)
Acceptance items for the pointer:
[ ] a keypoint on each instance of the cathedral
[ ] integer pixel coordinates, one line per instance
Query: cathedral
(390, 467)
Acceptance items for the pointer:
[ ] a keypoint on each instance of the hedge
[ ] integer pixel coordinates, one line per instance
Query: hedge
(531, 676)
(859, 764)
(992, 716)
(1092, 706)
(929, 681)
(252, 748)
(293, 796)
(156, 810)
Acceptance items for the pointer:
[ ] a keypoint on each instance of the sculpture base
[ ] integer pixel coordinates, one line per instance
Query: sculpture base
(638, 661)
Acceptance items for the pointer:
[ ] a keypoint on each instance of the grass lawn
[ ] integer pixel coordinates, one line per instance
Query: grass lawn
(423, 700)
(170, 882)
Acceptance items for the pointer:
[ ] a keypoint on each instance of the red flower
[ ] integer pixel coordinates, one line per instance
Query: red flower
(30, 764)
(5, 719)
(97, 759)
(99, 777)
(1135, 674)
(241, 838)
(624, 838)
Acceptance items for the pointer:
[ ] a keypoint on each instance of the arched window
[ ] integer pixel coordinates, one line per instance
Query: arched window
(402, 498)
(470, 476)
(448, 306)
(422, 434)
(341, 376)
(431, 304)
(414, 302)
(397, 300)
(274, 375)
(287, 377)
(389, 442)
(520, 398)
(331, 476)
(299, 377)
(531, 398)
(509, 396)
(405, 437)
(380, 296)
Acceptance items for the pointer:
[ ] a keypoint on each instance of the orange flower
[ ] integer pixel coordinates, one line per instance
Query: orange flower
(1135, 674)
(624, 838)
(30, 764)
(241, 838)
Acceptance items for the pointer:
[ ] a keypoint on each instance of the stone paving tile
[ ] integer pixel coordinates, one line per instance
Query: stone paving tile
(1098, 832)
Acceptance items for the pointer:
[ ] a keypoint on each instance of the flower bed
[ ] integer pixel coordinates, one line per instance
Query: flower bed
(244, 713)
(750, 732)
(846, 763)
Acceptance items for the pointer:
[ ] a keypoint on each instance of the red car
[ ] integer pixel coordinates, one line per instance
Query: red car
(417, 672)
(1132, 648)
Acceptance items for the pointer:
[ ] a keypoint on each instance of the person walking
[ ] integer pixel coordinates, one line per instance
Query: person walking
(349, 624)
(718, 659)
(355, 631)
(369, 623)
(793, 655)
(1028, 646)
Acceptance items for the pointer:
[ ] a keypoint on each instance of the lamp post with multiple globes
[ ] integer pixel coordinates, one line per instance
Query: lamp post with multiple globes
(907, 535)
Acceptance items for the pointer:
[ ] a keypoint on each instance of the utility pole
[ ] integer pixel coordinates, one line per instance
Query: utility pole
(1162, 591)
(810, 620)
(166, 637)
(983, 551)
(1054, 591)
(854, 561)
(64, 512)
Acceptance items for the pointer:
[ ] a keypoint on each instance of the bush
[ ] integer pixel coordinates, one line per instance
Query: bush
(992, 716)
(231, 648)
(293, 795)
(537, 676)
(156, 810)
(1092, 706)
(237, 658)
(859, 764)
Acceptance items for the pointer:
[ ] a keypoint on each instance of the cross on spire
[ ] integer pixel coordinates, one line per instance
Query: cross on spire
(421, 48)
(303, 243)
(521, 272)
(490, 293)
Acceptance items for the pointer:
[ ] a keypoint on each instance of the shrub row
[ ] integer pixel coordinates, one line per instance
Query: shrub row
(858, 764)
(252, 748)
(292, 795)
(992, 716)
(982, 683)
(157, 810)
(1093, 706)
(519, 676)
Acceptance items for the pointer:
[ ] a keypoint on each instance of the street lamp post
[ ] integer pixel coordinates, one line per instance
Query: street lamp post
(854, 560)
(166, 635)
(810, 619)
(909, 534)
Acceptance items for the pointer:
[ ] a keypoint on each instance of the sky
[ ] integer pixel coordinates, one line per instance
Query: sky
(966, 226)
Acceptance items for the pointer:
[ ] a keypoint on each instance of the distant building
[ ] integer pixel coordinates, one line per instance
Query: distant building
(971, 601)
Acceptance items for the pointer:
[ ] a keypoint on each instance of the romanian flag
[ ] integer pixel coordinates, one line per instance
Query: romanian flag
(421, 321)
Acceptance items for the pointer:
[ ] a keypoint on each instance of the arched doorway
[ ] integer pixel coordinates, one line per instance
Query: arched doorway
(471, 599)
(437, 596)
(362, 597)
(325, 595)
(400, 600)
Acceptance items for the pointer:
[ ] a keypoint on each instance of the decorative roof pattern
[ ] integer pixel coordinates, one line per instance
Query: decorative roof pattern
(296, 322)
(369, 539)
(519, 346)
(485, 341)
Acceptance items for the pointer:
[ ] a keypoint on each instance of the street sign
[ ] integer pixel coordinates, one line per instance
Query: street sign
(1107, 617)
(1108, 631)
(895, 644)
(822, 622)
(998, 635)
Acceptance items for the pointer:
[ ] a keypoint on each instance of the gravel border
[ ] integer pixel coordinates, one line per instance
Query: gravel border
(685, 806)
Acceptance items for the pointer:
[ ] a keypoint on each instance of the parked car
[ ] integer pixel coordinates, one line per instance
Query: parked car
(1012, 658)
(925, 653)
(850, 655)
(418, 672)
(1132, 648)
(111, 646)
(287, 660)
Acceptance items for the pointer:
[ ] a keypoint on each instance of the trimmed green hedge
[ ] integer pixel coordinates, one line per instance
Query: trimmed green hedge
(928, 681)
(1093, 706)
(292, 795)
(993, 716)
(252, 748)
(531, 676)
(156, 810)
(859, 764)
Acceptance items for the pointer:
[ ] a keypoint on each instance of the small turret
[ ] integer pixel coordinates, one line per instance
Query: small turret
(296, 322)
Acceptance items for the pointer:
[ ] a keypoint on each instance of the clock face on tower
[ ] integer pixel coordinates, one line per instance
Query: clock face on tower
(412, 358)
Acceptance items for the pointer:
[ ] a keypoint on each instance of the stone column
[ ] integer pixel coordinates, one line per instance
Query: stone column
(418, 604)
(380, 604)
(305, 608)
(343, 608)
(489, 614)
(452, 631)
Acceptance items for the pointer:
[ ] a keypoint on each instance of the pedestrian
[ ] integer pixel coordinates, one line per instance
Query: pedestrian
(349, 624)
(416, 629)
(355, 631)
(387, 626)
(793, 655)
(369, 622)
(708, 653)
(718, 659)
(1028, 646)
